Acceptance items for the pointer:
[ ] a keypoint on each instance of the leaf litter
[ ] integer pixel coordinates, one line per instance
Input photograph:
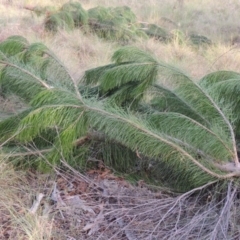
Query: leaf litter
(99, 205)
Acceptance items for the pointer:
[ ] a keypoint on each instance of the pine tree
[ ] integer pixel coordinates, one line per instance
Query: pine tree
(136, 104)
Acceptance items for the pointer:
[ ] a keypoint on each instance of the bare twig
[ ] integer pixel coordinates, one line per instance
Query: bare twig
(36, 203)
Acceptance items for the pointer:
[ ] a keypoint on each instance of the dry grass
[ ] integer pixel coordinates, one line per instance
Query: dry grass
(16, 198)
(79, 51)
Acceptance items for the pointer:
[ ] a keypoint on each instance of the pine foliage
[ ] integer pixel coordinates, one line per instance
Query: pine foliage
(127, 80)
(157, 32)
(117, 23)
(70, 15)
(139, 105)
(199, 40)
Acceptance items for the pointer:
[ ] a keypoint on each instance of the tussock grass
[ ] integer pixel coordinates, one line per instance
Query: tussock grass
(197, 62)
(80, 52)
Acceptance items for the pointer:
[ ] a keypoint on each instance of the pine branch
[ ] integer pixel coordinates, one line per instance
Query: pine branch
(24, 154)
(168, 100)
(203, 103)
(193, 141)
(44, 84)
(181, 126)
(147, 133)
(53, 56)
